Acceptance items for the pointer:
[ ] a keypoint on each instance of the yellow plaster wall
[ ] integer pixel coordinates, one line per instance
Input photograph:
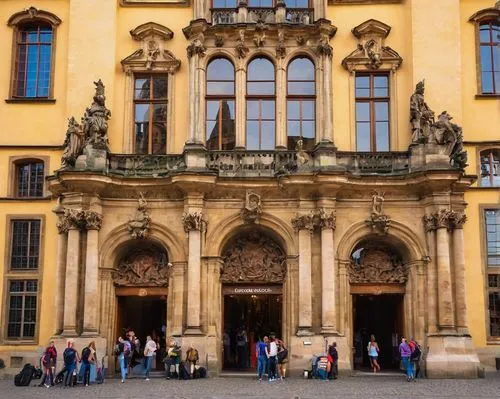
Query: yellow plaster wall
(345, 18)
(480, 117)
(28, 124)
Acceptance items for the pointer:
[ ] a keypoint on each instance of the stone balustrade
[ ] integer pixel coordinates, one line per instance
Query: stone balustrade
(298, 16)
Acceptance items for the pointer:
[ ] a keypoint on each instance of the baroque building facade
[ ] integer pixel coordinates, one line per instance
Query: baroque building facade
(259, 166)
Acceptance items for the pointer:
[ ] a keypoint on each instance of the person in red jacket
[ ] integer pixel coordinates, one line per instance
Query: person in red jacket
(49, 358)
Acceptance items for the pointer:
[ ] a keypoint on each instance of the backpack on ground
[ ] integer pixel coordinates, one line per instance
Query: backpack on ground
(183, 371)
(59, 377)
(69, 356)
(202, 372)
(24, 378)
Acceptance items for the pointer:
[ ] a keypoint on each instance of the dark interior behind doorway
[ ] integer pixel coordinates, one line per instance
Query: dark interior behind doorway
(382, 316)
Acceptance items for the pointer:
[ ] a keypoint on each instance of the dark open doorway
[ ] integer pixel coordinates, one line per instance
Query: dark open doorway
(146, 316)
(382, 316)
(253, 316)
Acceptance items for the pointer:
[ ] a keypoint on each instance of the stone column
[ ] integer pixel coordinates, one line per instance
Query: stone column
(343, 292)
(62, 248)
(327, 131)
(305, 227)
(213, 304)
(328, 305)
(240, 105)
(93, 222)
(72, 218)
(193, 225)
(432, 311)
(194, 51)
(177, 297)
(446, 306)
(459, 267)
(280, 117)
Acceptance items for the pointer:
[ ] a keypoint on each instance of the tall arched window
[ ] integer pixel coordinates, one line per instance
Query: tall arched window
(301, 103)
(261, 99)
(220, 133)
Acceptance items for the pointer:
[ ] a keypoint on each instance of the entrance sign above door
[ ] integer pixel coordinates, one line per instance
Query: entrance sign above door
(252, 290)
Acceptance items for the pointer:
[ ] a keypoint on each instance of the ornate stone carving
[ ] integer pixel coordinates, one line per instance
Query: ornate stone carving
(450, 134)
(457, 220)
(306, 222)
(259, 38)
(95, 120)
(196, 47)
(376, 266)
(421, 116)
(280, 46)
(73, 143)
(303, 157)
(253, 208)
(378, 222)
(219, 40)
(152, 55)
(70, 219)
(327, 220)
(371, 53)
(323, 47)
(241, 49)
(143, 269)
(139, 225)
(253, 258)
(193, 221)
(430, 223)
(301, 40)
(443, 217)
(92, 220)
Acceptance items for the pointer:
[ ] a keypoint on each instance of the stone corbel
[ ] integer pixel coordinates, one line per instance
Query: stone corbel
(371, 53)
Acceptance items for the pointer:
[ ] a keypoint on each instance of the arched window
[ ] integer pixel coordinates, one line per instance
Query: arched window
(32, 73)
(220, 126)
(490, 167)
(261, 101)
(301, 103)
(29, 178)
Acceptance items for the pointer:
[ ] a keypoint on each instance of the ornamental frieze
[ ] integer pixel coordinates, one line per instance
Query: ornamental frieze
(376, 266)
(143, 269)
(253, 258)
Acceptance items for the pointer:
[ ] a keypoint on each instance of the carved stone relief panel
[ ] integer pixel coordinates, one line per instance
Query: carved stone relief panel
(376, 265)
(253, 257)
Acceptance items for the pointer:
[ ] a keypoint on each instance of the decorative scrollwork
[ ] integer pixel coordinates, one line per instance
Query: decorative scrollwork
(143, 268)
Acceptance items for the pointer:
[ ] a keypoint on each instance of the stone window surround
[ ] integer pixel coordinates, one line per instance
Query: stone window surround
(10, 275)
(480, 149)
(487, 14)
(487, 270)
(14, 161)
(30, 15)
(154, 3)
(280, 65)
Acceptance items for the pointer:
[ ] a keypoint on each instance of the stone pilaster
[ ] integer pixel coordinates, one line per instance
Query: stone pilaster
(281, 89)
(343, 293)
(446, 306)
(72, 219)
(240, 105)
(305, 227)
(176, 293)
(62, 249)
(193, 226)
(457, 222)
(195, 51)
(432, 311)
(213, 303)
(328, 283)
(93, 222)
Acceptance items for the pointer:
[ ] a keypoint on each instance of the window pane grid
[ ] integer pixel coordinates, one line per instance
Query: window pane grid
(492, 219)
(372, 112)
(33, 62)
(489, 54)
(490, 168)
(150, 114)
(30, 179)
(22, 313)
(25, 244)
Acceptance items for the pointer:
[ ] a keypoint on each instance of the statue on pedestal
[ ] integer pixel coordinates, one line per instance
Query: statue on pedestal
(421, 116)
(95, 120)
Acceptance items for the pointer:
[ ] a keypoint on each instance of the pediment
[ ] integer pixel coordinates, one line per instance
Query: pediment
(151, 29)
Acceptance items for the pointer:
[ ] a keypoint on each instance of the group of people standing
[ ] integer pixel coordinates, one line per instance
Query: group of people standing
(272, 357)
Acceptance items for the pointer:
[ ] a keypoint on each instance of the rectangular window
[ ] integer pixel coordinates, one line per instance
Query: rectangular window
(150, 110)
(489, 55)
(33, 61)
(494, 304)
(492, 222)
(22, 304)
(372, 112)
(490, 168)
(25, 247)
(30, 179)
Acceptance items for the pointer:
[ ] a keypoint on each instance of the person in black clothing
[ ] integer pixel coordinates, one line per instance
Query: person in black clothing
(333, 358)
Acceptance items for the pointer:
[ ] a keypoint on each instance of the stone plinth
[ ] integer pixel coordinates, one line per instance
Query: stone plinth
(195, 156)
(451, 357)
(92, 158)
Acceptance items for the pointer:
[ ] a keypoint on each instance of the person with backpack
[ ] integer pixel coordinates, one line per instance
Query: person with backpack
(192, 358)
(416, 355)
(87, 359)
(49, 358)
(70, 357)
(149, 352)
(120, 354)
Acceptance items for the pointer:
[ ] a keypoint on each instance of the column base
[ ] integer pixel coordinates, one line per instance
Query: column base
(451, 356)
(327, 330)
(90, 333)
(304, 332)
(193, 331)
(69, 333)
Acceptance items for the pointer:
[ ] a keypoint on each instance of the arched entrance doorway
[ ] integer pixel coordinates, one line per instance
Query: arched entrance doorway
(252, 277)
(141, 280)
(377, 277)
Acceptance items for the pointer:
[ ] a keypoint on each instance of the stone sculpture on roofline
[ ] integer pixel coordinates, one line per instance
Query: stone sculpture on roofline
(86, 144)
(441, 132)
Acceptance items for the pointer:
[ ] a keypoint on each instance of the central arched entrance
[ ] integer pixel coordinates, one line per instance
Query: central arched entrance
(377, 277)
(252, 277)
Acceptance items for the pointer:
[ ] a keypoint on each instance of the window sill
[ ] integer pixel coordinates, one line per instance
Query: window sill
(486, 96)
(30, 100)
(493, 341)
(26, 199)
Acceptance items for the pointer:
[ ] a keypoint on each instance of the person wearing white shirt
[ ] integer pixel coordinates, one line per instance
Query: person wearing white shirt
(271, 352)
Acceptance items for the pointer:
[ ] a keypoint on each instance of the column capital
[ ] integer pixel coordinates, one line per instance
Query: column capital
(193, 221)
(92, 220)
(327, 220)
(71, 219)
(304, 222)
(457, 220)
(443, 217)
(430, 223)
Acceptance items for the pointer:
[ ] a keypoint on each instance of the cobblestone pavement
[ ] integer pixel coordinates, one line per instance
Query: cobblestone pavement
(386, 387)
